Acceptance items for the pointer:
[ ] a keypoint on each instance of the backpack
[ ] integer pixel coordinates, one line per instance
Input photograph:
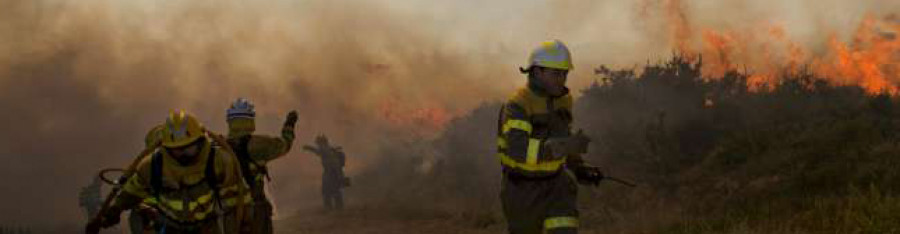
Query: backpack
(241, 147)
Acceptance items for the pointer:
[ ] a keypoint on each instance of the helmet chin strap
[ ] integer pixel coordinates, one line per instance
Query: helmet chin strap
(524, 70)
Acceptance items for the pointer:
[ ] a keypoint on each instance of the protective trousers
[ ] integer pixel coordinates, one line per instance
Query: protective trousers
(540, 205)
(261, 215)
(332, 183)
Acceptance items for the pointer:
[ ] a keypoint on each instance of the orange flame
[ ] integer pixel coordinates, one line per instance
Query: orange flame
(426, 120)
(870, 60)
(718, 50)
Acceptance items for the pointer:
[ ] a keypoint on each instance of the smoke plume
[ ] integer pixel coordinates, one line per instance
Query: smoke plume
(82, 81)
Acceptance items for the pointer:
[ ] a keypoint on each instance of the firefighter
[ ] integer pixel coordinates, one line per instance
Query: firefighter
(90, 199)
(254, 152)
(537, 150)
(192, 181)
(333, 179)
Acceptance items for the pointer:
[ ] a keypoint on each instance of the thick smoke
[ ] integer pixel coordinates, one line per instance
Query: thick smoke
(82, 81)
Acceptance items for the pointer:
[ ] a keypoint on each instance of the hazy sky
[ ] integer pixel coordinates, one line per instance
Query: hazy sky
(82, 81)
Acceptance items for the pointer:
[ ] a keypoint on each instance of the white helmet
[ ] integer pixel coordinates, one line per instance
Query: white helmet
(241, 108)
(550, 54)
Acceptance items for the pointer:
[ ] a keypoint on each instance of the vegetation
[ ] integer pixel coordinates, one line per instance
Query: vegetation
(709, 155)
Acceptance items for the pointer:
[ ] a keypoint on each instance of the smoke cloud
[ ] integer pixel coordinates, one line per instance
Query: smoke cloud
(82, 81)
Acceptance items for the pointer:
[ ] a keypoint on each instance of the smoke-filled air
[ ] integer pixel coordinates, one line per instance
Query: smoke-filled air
(729, 116)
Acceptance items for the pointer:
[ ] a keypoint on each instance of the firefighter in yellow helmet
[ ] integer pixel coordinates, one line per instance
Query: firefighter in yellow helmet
(193, 183)
(254, 152)
(536, 146)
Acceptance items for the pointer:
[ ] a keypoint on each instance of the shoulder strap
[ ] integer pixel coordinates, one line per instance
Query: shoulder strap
(210, 173)
(241, 148)
(156, 166)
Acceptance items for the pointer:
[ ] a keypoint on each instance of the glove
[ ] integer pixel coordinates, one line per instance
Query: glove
(588, 175)
(108, 219)
(291, 119)
(288, 131)
(149, 213)
(93, 227)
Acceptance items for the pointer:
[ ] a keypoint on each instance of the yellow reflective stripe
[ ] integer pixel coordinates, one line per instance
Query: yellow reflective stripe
(173, 208)
(232, 188)
(517, 124)
(545, 166)
(534, 148)
(179, 205)
(205, 198)
(150, 201)
(501, 142)
(560, 222)
(233, 200)
(200, 200)
(174, 204)
(202, 215)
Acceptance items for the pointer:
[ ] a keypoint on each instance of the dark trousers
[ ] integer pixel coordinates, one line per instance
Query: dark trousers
(261, 217)
(332, 196)
(539, 205)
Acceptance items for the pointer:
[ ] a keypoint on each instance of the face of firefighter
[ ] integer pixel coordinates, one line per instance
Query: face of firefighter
(552, 80)
(188, 154)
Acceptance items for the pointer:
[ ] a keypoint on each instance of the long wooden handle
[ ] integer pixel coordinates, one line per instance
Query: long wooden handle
(621, 181)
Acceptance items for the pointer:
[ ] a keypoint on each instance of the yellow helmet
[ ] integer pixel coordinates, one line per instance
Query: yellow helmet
(551, 54)
(181, 129)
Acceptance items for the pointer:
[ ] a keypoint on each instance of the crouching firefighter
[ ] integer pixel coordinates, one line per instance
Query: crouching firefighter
(254, 152)
(192, 182)
(536, 148)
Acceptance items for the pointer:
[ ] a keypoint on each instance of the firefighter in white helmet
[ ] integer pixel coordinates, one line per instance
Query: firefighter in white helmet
(536, 146)
(254, 152)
